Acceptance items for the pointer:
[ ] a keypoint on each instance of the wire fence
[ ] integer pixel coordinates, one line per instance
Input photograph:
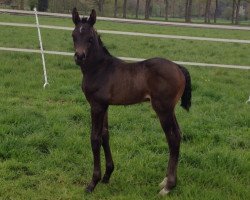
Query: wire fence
(133, 33)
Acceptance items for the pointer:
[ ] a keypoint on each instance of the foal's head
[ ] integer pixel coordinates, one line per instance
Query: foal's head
(84, 36)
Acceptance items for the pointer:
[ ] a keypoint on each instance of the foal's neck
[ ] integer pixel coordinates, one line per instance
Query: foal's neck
(99, 58)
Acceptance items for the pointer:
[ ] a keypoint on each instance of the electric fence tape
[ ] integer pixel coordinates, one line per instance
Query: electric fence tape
(41, 48)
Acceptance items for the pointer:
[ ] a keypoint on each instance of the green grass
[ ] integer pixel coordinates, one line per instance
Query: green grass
(45, 148)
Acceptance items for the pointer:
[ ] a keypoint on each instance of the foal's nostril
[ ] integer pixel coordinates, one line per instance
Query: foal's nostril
(83, 56)
(80, 56)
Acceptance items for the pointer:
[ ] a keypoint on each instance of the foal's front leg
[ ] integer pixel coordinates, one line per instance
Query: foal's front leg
(107, 152)
(97, 117)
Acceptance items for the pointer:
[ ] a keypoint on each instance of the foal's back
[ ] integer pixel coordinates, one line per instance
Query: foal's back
(136, 82)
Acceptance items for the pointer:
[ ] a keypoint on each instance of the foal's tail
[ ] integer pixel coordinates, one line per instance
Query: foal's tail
(187, 94)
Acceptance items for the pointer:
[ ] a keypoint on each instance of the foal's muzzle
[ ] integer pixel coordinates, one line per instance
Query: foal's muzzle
(79, 58)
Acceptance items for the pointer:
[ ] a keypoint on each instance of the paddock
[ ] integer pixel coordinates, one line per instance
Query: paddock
(44, 145)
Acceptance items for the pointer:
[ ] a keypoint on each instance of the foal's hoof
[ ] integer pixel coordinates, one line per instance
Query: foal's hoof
(163, 183)
(105, 180)
(164, 192)
(89, 189)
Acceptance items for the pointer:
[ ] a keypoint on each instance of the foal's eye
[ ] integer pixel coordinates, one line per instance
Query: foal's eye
(91, 40)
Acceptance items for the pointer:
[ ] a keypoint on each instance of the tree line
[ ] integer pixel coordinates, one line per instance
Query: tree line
(209, 10)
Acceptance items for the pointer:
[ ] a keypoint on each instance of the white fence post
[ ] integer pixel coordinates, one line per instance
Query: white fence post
(41, 48)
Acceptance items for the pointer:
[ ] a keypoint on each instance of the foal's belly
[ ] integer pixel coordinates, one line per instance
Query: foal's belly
(124, 98)
(128, 87)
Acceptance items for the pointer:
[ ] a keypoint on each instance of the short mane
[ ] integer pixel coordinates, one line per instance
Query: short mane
(102, 45)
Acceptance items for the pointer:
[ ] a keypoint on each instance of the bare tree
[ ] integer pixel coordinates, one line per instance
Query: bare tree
(237, 12)
(173, 8)
(42, 5)
(75, 3)
(233, 11)
(216, 10)
(124, 9)
(137, 8)
(100, 5)
(147, 9)
(188, 10)
(115, 9)
(22, 4)
(246, 5)
(166, 9)
(207, 11)
(246, 8)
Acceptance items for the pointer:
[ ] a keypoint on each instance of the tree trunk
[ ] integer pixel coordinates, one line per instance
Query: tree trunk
(237, 12)
(75, 3)
(205, 14)
(166, 10)
(233, 11)
(64, 5)
(216, 10)
(124, 8)
(188, 10)
(137, 9)
(21, 4)
(199, 9)
(147, 9)
(207, 11)
(246, 10)
(101, 2)
(42, 5)
(115, 9)
(173, 11)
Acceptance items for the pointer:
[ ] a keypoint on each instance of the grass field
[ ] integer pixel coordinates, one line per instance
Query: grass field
(45, 148)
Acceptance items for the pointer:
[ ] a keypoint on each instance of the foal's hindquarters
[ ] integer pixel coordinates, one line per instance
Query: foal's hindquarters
(167, 83)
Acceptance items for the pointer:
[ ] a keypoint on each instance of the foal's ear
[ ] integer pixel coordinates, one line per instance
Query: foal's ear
(75, 16)
(92, 18)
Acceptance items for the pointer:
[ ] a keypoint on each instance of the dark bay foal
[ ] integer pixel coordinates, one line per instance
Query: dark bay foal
(108, 80)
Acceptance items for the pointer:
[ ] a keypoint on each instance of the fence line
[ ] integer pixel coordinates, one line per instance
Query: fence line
(133, 33)
(126, 58)
(176, 37)
(120, 33)
(134, 21)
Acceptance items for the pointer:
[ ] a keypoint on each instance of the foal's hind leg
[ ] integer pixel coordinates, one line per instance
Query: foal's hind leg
(173, 137)
(170, 127)
(107, 152)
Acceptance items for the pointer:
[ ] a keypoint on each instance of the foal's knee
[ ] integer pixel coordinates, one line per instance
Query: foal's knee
(95, 142)
(105, 135)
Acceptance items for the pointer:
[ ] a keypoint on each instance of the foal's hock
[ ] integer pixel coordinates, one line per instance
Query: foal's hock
(108, 80)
